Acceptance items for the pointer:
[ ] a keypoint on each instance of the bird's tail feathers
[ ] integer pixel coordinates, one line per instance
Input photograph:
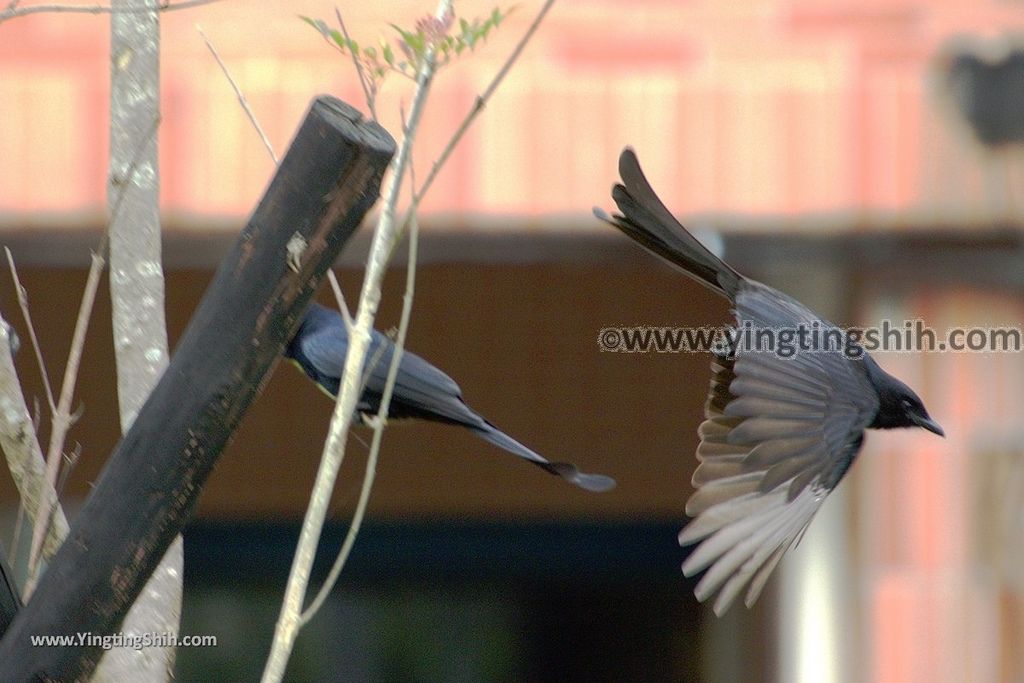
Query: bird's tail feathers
(648, 221)
(567, 471)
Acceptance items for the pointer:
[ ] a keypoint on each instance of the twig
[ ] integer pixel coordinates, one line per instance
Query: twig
(379, 423)
(12, 10)
(412, 164)
(478, 106)
(384, 237)
(270, 150)
(71, 459)
(43, 530)
(23, 304)
(241, 97)
(46, 537)
(353, 355)
(62, 417)
(371, 99)
(340, 298)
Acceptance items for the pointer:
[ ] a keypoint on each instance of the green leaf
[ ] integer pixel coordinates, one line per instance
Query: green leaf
(388, 53)
(311, 21)
(406, 35)
(318, 25)
(417, 42)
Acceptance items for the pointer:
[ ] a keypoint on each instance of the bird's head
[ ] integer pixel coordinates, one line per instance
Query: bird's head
(898, 405)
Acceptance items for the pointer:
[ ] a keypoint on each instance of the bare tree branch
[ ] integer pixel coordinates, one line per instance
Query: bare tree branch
(241, 96)
(384, 237)
(411, 222)
(291, 619)
(23, 304)
(478, 106)
(270, 150)
(339, 297)
(12, 10)
(379, 422)
(364, 80)
(62, 418)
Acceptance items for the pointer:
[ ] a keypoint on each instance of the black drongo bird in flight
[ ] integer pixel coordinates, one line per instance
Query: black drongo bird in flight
(779, 433)
(421, 390)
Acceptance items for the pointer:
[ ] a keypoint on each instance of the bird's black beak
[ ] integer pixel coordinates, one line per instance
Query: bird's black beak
(926, 422)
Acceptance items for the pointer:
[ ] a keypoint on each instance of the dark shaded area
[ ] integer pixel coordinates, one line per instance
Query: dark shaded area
(10, 598)
(453, 601)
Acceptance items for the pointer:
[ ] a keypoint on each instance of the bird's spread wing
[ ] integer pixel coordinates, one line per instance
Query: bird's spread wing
(779, 434)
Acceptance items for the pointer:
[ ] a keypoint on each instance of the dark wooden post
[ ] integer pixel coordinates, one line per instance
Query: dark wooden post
(146, 492)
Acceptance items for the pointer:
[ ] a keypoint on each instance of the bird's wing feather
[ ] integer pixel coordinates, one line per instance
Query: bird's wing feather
(779, 433)
(419, 387)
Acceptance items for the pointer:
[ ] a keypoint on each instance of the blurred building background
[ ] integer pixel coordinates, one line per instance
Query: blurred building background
(844, 150)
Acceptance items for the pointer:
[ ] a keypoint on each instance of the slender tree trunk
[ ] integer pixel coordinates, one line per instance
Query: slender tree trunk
(137, 295)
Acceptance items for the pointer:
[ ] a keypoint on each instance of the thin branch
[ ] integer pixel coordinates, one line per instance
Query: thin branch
(384, 236)
(23, 304)
(12, 10)
(368, 302)
(270, 150)
(62, 418)
(43, 532)
(340, 298)
(379, 423)
(478, 106)
(70, 460)
(412, 164)
(241, 96)
(364, 80)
